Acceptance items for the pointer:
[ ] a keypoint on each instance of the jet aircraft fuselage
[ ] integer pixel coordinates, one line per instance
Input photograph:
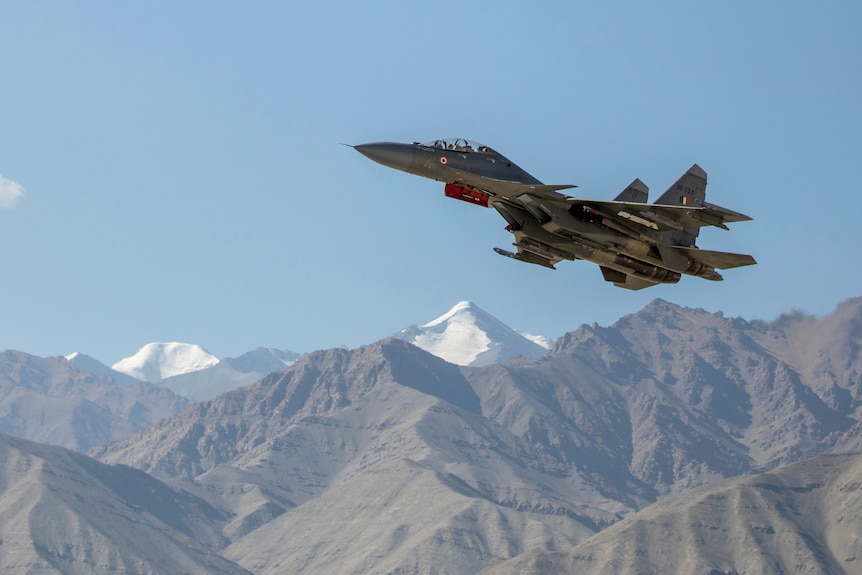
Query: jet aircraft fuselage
(635, 244)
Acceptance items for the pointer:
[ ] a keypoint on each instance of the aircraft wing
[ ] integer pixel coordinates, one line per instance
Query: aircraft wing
(511, 190)
(661, 217)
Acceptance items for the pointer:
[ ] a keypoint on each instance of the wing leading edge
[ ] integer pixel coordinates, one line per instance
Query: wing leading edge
(664, 217)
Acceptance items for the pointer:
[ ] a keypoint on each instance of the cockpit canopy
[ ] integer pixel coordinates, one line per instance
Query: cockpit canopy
(458, 145)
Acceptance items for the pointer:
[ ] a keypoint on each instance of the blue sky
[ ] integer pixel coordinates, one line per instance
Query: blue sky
(183, 178)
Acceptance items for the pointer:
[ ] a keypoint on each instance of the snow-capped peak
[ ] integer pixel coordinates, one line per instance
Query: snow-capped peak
(156, 361)
(463, 308)
(468, 335)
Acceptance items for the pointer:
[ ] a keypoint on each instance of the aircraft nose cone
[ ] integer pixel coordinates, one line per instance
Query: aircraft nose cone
(391, 155)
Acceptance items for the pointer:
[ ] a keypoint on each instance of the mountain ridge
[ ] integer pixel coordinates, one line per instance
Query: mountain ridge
(51, 400)
(803, 514)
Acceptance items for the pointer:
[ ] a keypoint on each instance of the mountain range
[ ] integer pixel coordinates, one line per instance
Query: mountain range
(188, 369)
(465, 335)
(88, 403)
(470, 466)
(607, 454)
(52, 400)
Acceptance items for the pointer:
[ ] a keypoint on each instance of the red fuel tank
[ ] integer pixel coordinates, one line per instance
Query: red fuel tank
(466, 195)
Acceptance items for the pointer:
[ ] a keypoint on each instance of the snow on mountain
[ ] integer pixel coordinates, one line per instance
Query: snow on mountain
(541, 340)
(230, 373)
(468, 335)
(263, 360)
(156, 361)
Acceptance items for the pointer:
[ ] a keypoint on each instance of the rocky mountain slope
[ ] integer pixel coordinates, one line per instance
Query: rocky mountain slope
(710, 385)
(92, 365)
(52, 401)
(802, 518)
(61, 512)
(529, 454)
(347, 434)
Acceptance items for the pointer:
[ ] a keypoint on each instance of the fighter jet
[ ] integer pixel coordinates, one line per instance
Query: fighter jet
(635, 244)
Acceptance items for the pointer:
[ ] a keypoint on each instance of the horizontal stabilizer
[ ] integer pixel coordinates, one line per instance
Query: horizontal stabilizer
(720, 260)
(724, 214)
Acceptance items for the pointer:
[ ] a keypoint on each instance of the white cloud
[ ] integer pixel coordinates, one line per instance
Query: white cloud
(9, 192)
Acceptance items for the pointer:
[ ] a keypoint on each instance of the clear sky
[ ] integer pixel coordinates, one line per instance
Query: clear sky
(172, 170)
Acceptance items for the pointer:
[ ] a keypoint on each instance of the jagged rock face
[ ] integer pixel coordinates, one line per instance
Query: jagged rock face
(705, 391)
(63, 512)
(801, 518)
(556, 448)
(52, 401)
(324, 385)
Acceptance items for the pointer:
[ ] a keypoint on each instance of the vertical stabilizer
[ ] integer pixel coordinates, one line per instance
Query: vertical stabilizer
(689, 190)
(636, 192)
